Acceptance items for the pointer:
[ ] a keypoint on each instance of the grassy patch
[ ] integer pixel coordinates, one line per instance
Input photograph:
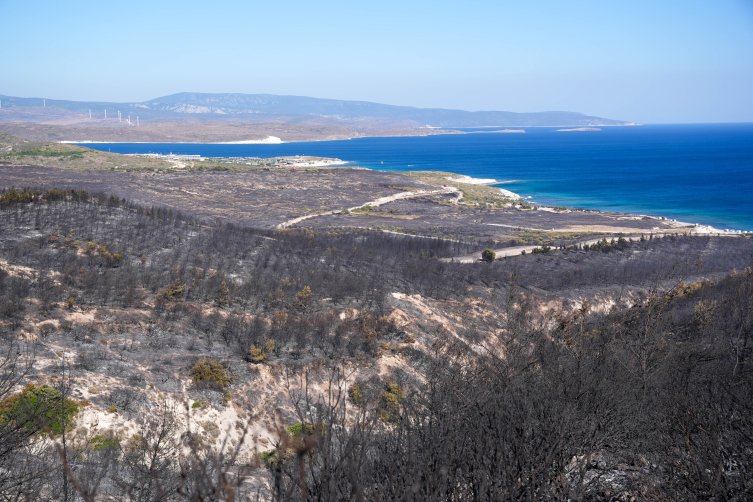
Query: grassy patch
(48, 152)
(364, 209)
(541, 236)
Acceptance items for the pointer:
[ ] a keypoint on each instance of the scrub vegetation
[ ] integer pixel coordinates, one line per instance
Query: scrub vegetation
(153, 354)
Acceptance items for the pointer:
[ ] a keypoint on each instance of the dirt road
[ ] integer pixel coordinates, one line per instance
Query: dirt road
(518, 250)
(374, 203)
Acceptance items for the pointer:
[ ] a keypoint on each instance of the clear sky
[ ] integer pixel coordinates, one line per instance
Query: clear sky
(645, 61)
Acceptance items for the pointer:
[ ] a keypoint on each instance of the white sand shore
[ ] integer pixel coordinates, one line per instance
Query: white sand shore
(473, 181)
(697, 228)
(509, 194)
(483, 181)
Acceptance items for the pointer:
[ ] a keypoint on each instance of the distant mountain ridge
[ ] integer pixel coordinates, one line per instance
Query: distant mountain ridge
(295, 109)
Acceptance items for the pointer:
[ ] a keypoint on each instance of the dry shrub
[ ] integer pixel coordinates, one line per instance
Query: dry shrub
(210, 373)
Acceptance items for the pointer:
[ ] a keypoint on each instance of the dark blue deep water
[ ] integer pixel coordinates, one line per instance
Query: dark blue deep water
(700, 173)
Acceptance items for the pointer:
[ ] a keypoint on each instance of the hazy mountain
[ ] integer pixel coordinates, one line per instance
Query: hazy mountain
(294, 109)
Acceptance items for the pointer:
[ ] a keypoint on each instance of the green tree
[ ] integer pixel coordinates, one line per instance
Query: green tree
(488, 255)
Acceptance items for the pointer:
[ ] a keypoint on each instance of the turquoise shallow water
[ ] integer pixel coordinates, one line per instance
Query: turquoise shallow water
(700, 173)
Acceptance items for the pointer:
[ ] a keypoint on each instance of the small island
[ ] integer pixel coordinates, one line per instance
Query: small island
(581, 129)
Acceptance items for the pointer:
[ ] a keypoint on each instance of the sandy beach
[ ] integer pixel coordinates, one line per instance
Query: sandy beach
(474, 181)
(484, 181)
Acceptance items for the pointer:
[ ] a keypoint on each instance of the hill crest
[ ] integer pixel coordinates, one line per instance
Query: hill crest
(255, 108)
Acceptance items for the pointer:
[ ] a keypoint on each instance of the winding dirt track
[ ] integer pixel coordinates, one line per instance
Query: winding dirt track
(374, 203)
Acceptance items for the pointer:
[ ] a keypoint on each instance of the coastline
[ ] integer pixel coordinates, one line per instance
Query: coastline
(353, 134)
(615, 197)
(696, 228)
(269, 140)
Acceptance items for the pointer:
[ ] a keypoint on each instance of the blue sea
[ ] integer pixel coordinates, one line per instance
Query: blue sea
(698, 173)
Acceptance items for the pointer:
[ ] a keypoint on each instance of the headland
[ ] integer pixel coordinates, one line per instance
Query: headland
(269, 192)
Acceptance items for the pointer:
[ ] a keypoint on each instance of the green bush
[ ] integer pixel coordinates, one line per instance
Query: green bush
(488, 255)
(200, 403)
(391, 402)
(355, 394)
(299, 432)
(99, 442)
(39, 409)
(271, 459)
(297, 429)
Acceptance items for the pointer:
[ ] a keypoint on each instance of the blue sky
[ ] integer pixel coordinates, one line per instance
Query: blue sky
(644, 61)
